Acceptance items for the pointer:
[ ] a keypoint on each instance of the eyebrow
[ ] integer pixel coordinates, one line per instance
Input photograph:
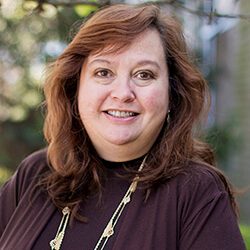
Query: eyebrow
(140, 63)
(100, 61)
(146, 62)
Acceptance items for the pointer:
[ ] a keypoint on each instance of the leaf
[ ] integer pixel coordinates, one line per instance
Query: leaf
(84, 10)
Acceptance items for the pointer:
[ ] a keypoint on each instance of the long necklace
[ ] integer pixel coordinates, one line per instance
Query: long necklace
(108, 231)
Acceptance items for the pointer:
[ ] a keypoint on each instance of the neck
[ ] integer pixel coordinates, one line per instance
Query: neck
(121, 153)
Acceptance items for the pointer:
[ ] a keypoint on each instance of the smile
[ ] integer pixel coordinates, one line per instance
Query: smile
(121, 114)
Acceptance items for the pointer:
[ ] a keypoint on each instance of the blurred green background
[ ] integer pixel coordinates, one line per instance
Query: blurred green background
(33, 35)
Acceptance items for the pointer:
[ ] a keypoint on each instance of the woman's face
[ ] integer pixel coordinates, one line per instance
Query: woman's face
(123, 98)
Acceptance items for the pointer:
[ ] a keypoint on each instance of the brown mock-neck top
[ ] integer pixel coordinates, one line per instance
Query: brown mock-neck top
(190, 211)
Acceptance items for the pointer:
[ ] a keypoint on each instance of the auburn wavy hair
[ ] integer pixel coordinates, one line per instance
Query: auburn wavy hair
(76, 167)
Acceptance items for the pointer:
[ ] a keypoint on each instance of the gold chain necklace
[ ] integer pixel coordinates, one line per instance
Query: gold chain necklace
(56, 243)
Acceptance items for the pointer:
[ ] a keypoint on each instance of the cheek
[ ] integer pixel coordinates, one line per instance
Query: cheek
(156, 101)
(85, 101)
(90, 99)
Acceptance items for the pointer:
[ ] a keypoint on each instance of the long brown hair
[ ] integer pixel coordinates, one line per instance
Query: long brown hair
(76, 166)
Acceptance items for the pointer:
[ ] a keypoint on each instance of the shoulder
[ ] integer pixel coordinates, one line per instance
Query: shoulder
(37, 156)
(202, 176)
(34, 164)
(200, 183)
(28, 173)
(17, 194)
(198, 189)
(194, 188)
(205, 211)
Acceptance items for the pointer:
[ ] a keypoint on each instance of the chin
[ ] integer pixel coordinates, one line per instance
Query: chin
(121, 140)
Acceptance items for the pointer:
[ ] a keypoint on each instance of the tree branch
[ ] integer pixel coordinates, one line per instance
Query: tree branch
(58, 3)
(175, 3)
(212, 13)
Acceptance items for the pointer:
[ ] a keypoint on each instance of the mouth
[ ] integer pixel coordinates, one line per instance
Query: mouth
(121, 114)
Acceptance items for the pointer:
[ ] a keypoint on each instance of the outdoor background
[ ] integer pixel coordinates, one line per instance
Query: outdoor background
(34, 33)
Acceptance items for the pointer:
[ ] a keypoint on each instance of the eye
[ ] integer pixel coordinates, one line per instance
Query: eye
(103, 73)
(145, 75)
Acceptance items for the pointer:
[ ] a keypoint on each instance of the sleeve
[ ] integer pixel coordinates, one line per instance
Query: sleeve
(8, 201)
(209, 222)
(16, 187)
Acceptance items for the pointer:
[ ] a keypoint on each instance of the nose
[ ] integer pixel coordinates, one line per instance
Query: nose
(122, 90)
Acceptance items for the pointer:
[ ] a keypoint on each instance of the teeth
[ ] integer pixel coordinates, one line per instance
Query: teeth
(120, 114)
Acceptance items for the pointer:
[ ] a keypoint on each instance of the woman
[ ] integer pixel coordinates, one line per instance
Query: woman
(122, 169)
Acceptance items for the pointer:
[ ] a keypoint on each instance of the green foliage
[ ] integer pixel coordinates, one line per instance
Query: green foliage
(20, 138)
(225, 139)
(84, 10)
(4, 174)
(245, 231)
(29, 40)
(22, 63)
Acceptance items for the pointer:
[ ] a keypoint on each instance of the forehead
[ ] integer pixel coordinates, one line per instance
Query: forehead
(146, 44)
